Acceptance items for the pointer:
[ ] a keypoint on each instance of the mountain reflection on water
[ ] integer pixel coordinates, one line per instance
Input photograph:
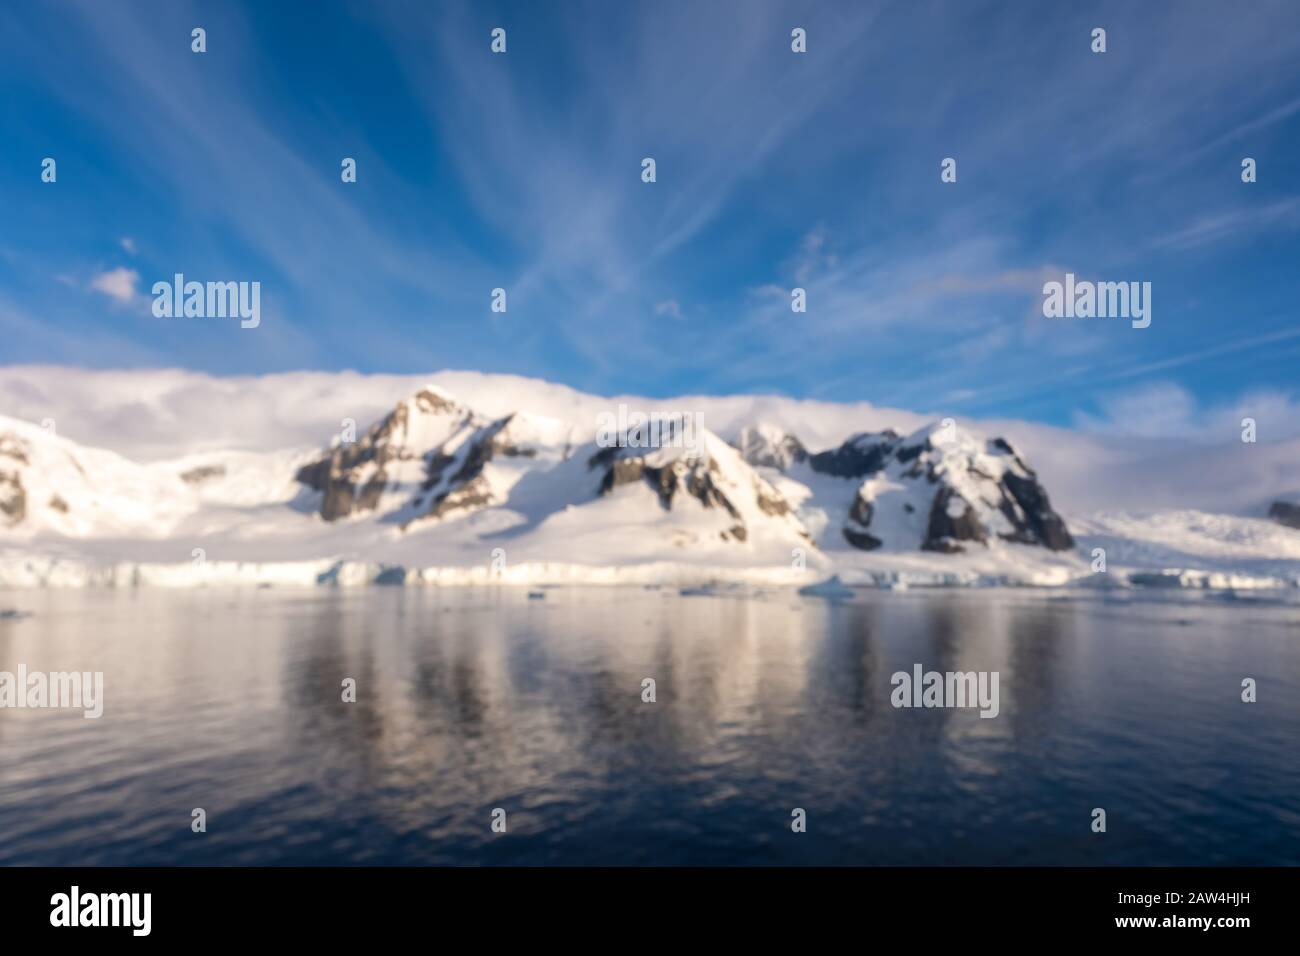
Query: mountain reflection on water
(470, 700)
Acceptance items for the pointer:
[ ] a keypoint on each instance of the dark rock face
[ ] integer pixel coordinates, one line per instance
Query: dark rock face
(861, 455)
(770, 502)
(1285, 513)
(861, 540)
(425, 460)
(693, 477)
(335, 476)
(342, 496)
(472, 494)
(467, 488)
(491, 441)
(1006, 499)
(203, 473)
(11, 446)
(770, 450)
(952, 520)
(13, 498)
(855, 532)
(1041, 525)
(353, 476)
(696, 477)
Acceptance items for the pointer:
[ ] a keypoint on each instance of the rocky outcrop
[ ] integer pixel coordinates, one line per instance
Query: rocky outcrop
(455, 481)
(1032, 517)
(863, 454)
(1285, 513)
(715, 475)
(693, 476)
(941, 489)
(196, 476)
(429, 458)
(13, 497)
(407, 443)
(952, 521)
(855, 529)
(767, 446)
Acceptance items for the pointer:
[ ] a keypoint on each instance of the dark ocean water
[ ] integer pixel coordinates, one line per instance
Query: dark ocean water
(474, 700)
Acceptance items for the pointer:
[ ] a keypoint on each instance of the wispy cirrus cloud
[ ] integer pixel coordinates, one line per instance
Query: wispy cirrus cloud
(1206, 229)
(775, 169)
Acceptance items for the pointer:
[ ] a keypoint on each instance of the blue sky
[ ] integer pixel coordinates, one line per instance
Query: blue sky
(774, 170)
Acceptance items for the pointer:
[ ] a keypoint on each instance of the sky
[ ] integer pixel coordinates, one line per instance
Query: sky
(774, 170)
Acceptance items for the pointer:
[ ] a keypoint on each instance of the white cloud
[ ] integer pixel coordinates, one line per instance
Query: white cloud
(1283, 214)
(118, 284)
(128, 244)
(670, 307)
(813, 258)
(1158, 410)
(1163, 411)
(154, 414)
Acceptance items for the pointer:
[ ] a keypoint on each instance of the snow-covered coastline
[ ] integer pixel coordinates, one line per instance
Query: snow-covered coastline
(26, 573)
(1016, 566)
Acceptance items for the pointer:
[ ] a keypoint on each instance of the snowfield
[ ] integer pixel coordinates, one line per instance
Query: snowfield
(510, 488)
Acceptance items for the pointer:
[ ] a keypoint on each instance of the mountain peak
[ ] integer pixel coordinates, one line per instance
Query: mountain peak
(767, 445)
(435, 399)
(380, 470)
(710, 472)
(943, 488)
(429, 458)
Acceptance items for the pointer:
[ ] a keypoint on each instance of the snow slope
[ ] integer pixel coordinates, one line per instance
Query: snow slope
(49, 485)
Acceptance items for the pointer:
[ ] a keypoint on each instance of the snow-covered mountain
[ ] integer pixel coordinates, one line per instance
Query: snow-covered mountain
(711, 478)
(51, 485)
(436, 490)
(942, 488)
(430, 458)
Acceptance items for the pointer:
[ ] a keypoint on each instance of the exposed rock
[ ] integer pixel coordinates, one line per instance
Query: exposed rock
(11, 446)
(13, 499)
(772, 503)
(725, 483)
(1040, 524)
(203, 473)
(473, 494)
(855, 528)
(952, 520)
(430, 458)
(354, 476)
(1285, 513)
(466, 488)
(767, 446)
(863, 454)
(941, 489)
(861, 540)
